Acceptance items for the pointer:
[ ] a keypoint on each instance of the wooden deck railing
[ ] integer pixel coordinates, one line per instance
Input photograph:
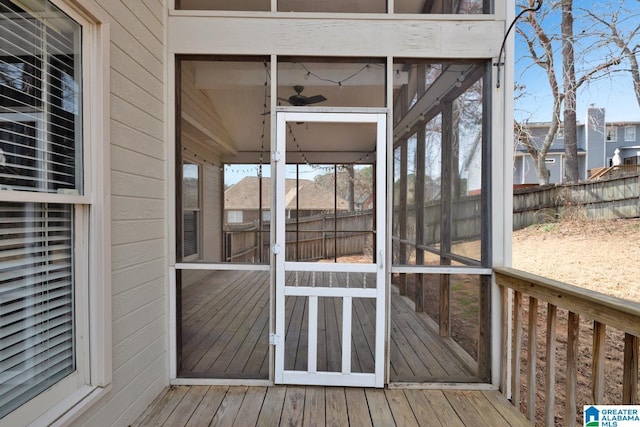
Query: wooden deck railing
(604, 311)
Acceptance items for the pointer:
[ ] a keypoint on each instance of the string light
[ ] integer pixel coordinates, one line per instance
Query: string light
(264, 116)
(366, 67)
(201, 158)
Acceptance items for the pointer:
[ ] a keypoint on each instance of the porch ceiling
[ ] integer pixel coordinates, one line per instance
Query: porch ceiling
(239, 94)
(240, 98)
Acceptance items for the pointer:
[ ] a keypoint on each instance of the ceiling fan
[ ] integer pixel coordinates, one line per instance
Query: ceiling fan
(299, 100)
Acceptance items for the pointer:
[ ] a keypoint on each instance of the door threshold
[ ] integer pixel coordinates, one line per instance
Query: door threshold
(223, 381)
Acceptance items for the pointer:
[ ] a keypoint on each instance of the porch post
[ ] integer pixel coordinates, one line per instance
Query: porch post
(446, 208)
(402, 214)
(419, 195)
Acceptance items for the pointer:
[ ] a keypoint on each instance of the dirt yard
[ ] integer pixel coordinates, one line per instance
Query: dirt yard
(600, 255)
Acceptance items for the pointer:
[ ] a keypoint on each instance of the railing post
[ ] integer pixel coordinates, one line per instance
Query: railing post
(550, 370)
(573, 331)
(516, 348)
(532, 358)
(484, 335)
(504, 341)
(597, 371)
(630, 370)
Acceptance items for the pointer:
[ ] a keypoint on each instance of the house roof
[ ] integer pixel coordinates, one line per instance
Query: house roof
(580, 124)
(244, 195)
(552, 151)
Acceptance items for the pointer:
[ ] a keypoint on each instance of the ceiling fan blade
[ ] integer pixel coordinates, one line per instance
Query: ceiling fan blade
(283, 99)
(315, 99)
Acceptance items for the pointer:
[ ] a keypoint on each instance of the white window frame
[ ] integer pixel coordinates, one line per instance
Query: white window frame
(233, 213)
(560, 132)
(629, 133)
(69, 398)
(612, 134)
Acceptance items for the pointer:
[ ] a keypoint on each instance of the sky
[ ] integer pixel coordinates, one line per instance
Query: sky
(614, 94)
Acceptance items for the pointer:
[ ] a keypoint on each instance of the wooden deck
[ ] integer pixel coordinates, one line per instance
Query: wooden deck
(225, 330)
(330, 406)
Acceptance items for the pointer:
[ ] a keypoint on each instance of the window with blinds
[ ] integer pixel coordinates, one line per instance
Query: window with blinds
(40, 152)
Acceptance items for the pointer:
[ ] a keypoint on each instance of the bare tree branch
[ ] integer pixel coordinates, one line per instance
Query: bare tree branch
(623, 44)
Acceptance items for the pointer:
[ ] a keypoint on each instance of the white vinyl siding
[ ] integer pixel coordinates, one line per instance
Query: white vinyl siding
(138, 216)
(212, 213)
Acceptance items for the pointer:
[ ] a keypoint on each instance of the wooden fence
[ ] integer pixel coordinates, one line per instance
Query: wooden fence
(612, 198)
(327, 236)
(465, 221)
(546, 299)
(307, 239)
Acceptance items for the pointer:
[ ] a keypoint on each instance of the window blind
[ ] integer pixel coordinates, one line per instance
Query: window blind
(36, 300)
(40, 99)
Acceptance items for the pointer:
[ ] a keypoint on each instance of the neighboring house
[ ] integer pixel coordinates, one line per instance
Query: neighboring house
(241, 200)
(111, 110)
(597, 142)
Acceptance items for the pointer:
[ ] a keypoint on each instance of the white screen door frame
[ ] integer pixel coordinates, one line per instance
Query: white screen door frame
(312, 376)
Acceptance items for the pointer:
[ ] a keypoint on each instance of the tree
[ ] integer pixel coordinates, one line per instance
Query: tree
(354, 183)
(590, 60)
(572, 173)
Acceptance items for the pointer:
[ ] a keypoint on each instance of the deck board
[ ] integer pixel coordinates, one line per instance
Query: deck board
(293, 409)
(314, 408)
(357, 407)
(225, 332)
(230, 406)
(208, 406)
(325, 406)
(379, 409)
(336, 407)
(400, 408)
(250, 408)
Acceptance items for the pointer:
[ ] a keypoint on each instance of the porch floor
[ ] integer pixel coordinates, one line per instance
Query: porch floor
(225, 323)
(320, 406)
